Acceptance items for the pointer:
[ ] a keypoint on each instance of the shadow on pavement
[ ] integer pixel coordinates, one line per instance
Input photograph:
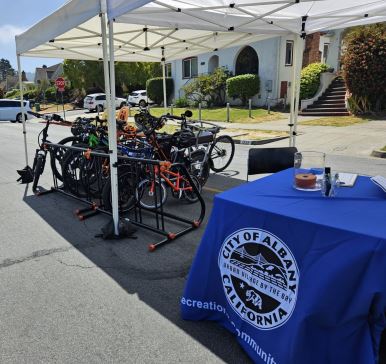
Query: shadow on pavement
(157, 278)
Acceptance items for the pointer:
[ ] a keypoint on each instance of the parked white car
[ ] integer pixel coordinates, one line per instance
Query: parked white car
(97, 102)
(139, 98)
(10, 110)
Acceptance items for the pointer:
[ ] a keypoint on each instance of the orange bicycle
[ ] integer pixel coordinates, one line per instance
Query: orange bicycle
(152, 193)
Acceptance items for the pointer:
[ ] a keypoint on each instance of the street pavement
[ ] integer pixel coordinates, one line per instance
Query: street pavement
(69, 297)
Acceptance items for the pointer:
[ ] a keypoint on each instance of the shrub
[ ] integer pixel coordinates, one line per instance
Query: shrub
(181, 102)
(364, 70)
(209, 89)
(31, 94)
(12, 94)
(310, 79)
(154, 88)
(243, 86)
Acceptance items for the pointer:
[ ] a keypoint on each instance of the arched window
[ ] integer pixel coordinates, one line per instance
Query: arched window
(212, 64)
(247, 61)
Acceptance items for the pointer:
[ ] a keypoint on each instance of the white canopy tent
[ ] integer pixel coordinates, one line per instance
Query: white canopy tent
(144, 30)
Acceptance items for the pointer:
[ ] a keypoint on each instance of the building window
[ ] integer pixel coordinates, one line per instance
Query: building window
(247, 62)
(190, 67)
(168, 70)
(289, 52)
(326, 47)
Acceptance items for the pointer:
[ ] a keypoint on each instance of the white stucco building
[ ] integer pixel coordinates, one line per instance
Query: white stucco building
(271, 58)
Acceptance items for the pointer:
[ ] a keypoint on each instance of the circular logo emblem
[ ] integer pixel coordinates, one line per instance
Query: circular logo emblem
(260, 277)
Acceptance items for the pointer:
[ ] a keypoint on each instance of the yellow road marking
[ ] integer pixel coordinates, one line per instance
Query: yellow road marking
(212, 189)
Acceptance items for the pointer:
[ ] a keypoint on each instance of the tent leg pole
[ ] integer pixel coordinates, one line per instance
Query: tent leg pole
(22, 108)
(112, 133)
(164, 87)
(298, 68)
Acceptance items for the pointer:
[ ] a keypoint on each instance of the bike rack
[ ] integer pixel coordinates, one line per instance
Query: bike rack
(88, 191)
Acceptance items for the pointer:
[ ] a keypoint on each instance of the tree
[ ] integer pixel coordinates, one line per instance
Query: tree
(86, 75)
(364, 67)
(5, 69)
(210, 89)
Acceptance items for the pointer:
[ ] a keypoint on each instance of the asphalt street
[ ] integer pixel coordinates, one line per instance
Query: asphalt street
(69, 297)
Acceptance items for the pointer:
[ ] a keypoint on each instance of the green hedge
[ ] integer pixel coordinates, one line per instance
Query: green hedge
(310, 79)
(154, 88)
(243, 86)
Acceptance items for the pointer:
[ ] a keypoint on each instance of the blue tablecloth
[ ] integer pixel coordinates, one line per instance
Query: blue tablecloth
(297, 277)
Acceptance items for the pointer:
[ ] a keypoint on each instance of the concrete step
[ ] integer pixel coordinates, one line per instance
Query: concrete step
(317, 113)
(325, 108)
(336, 88)
(331, 97)
(336, 93)
(330, 103)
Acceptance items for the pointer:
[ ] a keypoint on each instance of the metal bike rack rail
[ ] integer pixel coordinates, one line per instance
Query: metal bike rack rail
(89, 193)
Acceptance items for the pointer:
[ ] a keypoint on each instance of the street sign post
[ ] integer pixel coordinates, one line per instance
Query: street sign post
(60, 84)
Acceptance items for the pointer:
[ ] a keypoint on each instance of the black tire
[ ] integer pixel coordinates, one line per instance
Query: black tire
(99, 108)
(19, 118)
(71, 168)
(38, 170)
(191, 196)
(58, 154)
(221, 153)
(198, 167)
(142, 103)
(145, 198)
(126, 191)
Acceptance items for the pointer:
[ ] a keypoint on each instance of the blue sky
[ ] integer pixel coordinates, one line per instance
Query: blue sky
(17, 16)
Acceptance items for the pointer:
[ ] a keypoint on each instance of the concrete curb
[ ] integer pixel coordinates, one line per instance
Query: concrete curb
(258, 142)
(378, 154)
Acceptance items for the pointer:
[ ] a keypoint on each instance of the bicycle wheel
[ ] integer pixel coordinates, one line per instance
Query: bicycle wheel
(126, 191)
(71, 170)
(57, 156)
(38, 170)
(221, 153)
(191, 196)
(151, 194)
(199, 167)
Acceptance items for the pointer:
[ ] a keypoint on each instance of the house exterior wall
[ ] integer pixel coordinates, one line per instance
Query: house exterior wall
(267, 52)
(334, 38)
(272, 67)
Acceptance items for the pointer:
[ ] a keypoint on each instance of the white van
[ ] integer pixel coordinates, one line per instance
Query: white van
(10, 110)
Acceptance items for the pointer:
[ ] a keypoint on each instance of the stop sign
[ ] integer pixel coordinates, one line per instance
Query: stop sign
(60, 84)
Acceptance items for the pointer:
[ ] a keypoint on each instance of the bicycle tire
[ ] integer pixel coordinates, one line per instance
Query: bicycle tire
(126, 191)
(71, 171)
(59, 154)
(191, 196)
(38, 170)
(216, 152)
(140, 193)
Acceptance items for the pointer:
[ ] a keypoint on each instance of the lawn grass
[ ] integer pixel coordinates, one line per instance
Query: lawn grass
(237, 114)
(242, 134)
(46, 108)
(338, 121)
(383, 149)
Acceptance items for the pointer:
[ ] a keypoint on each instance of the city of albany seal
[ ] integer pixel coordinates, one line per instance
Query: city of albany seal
(260, 277)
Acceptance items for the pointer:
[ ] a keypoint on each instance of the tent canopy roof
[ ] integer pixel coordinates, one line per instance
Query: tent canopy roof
(185, 28)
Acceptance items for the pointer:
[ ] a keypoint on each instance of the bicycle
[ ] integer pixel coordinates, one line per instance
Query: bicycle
(41, 153)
